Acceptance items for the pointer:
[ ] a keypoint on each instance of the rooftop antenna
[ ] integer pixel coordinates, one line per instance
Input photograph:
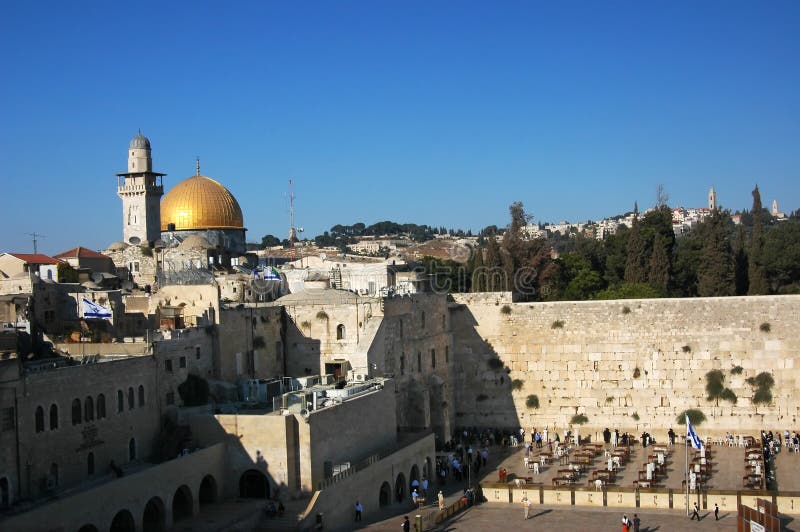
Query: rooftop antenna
(291, 221)
(35, 236)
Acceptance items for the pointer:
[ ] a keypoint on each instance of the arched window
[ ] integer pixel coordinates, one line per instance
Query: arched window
(53, 417)
(39, 421)
(120, 401)
(90, 464)
(141, 395)
(131, 401)
(88, 409)
(340, 332)
(76, 411)
(101, 406)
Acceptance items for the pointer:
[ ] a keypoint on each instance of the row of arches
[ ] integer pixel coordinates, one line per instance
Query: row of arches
(154, 513)
(403, 485)
(90, 409)
(253, 484)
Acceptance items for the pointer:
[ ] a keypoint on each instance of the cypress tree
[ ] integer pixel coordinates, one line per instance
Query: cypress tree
(634, 262)
(478, 271)
(755, 270)
(740, 262)
(658, 274)
(494, 266)
(715, 276)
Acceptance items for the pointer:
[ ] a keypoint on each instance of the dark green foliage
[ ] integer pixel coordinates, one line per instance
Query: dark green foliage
(558, 324)
(631, 291)
(762, 397)
(728, 395)
(765, 327)
(477, 272)
(505, 309)
(517, 384)
(635, 256)
(146, 250)
(193, 391)
(715, 380)
(268, 241)
(696, 417)
(626, 309)
(781, 257)
(636, 373)
(737, 370)
(715, 275)
(740, 262)
(635, 416)
(686, 349)
(579, 419)
(658, 270)
(532, 401)
(762, 387)
(322, 315)
(495, 278)
(756, 274)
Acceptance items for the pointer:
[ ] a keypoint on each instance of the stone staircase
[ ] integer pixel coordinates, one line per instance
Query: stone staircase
(336, 278)
(285, 523)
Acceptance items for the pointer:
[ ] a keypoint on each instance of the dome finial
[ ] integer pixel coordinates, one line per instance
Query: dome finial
(198, 165)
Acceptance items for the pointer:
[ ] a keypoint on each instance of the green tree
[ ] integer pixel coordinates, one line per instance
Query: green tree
(715, 275)
(740, 262)
(634, 261)
(268, 241)
(755, 274)
(477, 271)
(781, 257)
(494, 265)
(658, 270)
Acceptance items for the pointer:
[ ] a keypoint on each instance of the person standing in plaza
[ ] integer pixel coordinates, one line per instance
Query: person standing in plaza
(359, 511)
(695, 513)
(441, 500)
(526, 506)
(406, 526)
(636, 522)
(716, 512)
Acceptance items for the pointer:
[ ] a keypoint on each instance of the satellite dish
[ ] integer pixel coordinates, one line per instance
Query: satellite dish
(135, 240)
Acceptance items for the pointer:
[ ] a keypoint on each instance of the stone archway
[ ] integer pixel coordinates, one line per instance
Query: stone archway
(385, 495)
(413, 475)
(208, 491)
(123, 522)
(400, 487)
(154, 516)
(253, 485)
(182, 503)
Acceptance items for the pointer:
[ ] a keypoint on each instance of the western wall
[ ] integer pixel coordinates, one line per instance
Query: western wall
(616, 361)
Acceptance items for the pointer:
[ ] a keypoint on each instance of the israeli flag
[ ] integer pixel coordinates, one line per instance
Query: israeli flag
(697, 443)
(93, 310)
(271, 275)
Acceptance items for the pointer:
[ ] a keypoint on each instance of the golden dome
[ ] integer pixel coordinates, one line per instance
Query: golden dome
(199, 202)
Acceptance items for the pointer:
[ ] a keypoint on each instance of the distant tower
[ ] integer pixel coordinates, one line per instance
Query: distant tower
(140, 190)
(774, 207)
(712, 199)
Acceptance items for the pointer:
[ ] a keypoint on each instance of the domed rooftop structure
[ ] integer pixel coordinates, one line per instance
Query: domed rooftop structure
(199, 202)
(117, 246)
(140, 142)
(195, 242)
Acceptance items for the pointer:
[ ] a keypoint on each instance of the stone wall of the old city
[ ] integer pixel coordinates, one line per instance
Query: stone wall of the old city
(614, 361)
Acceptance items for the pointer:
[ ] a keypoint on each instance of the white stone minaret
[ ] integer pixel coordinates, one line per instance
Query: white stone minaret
(140, 190)
(774, 207)
(712, 199)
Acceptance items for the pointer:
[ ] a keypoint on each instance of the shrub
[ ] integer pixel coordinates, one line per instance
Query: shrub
(495, 363)
(762, 397)
(696, 417)
(635, 416)
(516, 384)
(626, 309)
(686, 349)
(532, 401)
(728, 395)
(765, 327)
(322, 315)
(558, 324)
(764, 380)
(636, 373)
(482, 397)
(609, 400)
(737, 370)
(306, 324)
(505, 309)
(579, 419)
(714, 385)
(146, 251)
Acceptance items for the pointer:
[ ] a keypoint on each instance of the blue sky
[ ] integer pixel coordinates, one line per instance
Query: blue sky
(429, 112)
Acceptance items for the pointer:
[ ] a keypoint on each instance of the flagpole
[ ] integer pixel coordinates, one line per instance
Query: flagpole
(686, 469)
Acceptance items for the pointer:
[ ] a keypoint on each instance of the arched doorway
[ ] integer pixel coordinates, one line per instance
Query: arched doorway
(88, 528)
(253, 485)
(182, 503)
(208, 491)
(123, 522)
(400, 487)
(412, 476)
(154, 516)
(385, 495)
(5, 493)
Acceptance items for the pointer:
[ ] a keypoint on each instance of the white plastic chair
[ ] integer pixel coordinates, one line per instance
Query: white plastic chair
(535, 468)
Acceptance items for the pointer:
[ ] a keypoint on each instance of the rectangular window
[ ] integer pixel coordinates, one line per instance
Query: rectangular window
(7, 418)
(168, 365)
(447, 354)
(182, 362)
(433, 358)
(197, 353)
(402, 364)
(170, 398)
(419, 361)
